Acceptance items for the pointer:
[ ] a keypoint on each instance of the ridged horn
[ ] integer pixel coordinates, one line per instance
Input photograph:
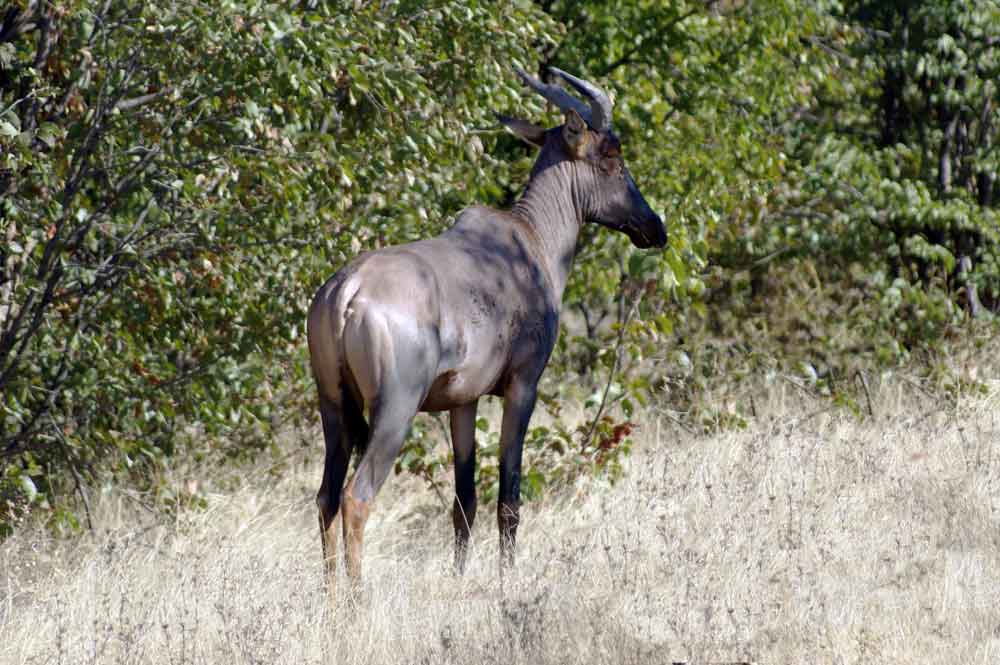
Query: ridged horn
(600, 103)
(593, 114)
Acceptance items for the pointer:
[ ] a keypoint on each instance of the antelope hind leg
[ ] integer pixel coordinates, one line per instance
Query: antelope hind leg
(338, 454)
(389, 426)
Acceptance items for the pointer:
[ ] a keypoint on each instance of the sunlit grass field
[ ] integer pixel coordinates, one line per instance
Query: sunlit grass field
(809, 536)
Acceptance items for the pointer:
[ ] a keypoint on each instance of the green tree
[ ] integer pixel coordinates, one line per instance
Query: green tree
(177, 177)
(710, 94)
(896, 202)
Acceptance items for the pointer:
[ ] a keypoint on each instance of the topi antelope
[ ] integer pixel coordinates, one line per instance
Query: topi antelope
(434, 325)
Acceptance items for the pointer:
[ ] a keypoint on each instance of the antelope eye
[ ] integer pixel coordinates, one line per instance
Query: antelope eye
(611, 165)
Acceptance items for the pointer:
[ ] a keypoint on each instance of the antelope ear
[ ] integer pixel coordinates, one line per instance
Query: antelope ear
(525, 130)
(575, 134)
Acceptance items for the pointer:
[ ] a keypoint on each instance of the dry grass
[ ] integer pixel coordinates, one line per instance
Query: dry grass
(802, 539)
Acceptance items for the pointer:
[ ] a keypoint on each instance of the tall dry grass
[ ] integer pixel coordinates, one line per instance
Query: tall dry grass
(808, 537)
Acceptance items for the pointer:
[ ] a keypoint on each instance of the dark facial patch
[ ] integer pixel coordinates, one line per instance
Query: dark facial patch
(611, 165)
(611, 146)
(609, 155)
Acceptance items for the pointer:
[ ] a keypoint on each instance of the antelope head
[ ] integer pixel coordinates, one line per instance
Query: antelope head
(603, 188)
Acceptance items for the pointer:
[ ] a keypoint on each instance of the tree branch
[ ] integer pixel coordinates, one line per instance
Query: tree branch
(17, 21)
(126, 104)
(624, 321)
(657, 33)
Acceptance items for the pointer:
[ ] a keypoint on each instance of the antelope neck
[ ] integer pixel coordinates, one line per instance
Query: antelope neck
(554, 207)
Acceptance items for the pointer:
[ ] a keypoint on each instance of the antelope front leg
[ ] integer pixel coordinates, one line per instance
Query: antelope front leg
(519, 402)
(463, 439)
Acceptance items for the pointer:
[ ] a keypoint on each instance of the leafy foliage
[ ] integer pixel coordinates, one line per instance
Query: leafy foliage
(888, 192)
(176, 179)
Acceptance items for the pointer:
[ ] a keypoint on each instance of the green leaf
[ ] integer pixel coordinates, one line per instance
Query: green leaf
(28, 487)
